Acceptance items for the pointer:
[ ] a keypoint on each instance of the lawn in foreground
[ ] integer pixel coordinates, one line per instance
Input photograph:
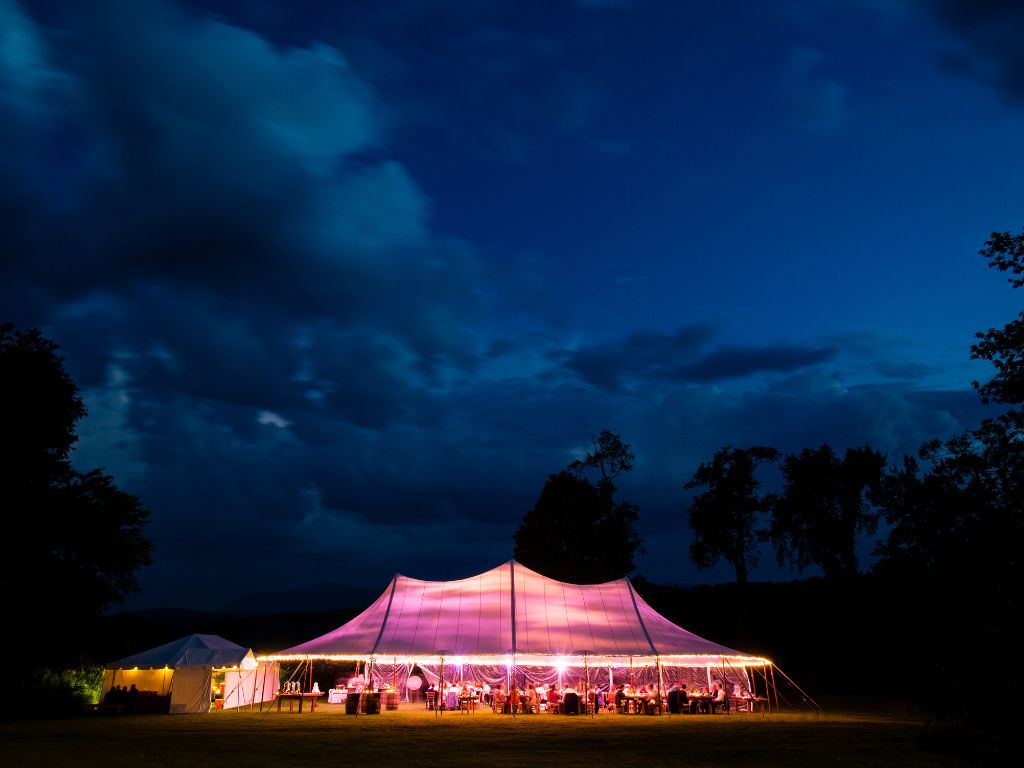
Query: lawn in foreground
(414, 737)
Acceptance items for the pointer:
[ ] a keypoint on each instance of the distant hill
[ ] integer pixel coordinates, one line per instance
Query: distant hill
(316, 597)
(123, 634)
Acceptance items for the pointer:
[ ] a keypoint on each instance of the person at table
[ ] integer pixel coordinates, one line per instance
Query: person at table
(553, 698)
(534, 699)
(620, 698)
(686, 704)
(653, 698)
(719, 698)
(672, 695)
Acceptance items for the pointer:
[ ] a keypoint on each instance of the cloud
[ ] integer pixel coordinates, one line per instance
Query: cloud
(990, 33)
(643, 359)
(735, 361)
(816, 100)
(643, 355)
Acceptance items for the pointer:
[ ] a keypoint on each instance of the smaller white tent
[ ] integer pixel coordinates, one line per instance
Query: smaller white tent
(183, 670)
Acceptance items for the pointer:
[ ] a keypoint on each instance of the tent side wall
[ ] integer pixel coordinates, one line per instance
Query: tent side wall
(243, 687)
(191, 689)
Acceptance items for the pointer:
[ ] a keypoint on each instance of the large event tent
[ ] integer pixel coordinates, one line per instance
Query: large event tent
(184, 670)
(512, 617)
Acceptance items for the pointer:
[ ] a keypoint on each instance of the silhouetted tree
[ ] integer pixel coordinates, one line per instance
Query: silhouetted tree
(953, 556)
(724, 518)
(824, 507)
(577, 532)
(75, 540)
(1004, 347)
(611, 457)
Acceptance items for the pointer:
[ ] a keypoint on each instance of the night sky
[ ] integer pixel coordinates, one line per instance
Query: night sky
(343, 282)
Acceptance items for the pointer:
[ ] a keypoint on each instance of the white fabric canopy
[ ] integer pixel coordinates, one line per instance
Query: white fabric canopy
(514, 615)
(193, 650)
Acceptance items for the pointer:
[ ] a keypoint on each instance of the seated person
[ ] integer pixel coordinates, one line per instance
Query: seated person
(686, 704)
(620, 698)
(571, 703)
(498, 699)
(553, 698)
(534, 700)
(719, 698)
(653, 700)
(673, 699)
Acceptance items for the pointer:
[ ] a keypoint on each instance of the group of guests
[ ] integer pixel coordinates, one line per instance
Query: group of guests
(121, 696)
(646, 699)
(704, 699)
(531, 699)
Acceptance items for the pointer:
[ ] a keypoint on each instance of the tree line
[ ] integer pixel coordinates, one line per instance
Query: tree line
(945, 586)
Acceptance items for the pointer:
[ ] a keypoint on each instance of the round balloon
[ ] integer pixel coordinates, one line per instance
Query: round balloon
(413, 683)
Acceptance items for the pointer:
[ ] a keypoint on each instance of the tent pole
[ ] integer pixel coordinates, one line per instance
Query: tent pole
(771, 668)
(513, 701)
(255, 682)
(661, 682)
(586, 686)
(632, 682)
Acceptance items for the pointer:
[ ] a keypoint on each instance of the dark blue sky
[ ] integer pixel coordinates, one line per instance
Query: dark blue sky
(342, 283)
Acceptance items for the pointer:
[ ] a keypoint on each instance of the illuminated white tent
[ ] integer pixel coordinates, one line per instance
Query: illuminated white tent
(183, 670)
(513, 617)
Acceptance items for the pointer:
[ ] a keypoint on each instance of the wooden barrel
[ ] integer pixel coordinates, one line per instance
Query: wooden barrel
(371, 703)
(391, 700)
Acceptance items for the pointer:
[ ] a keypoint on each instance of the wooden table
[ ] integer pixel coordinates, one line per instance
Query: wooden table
(748, 703)
(300, 697)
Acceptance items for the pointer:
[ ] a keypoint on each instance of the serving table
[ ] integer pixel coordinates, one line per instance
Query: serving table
(300, 697)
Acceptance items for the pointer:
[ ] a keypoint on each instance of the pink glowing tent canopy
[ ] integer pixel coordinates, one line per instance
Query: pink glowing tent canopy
(514, 615)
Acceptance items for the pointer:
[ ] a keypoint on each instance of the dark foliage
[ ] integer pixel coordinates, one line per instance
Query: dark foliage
(1004, 347)
(577, 531)
(724, 518)
(75, 539)
(824, 508)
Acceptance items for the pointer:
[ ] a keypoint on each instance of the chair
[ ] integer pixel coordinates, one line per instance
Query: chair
(673, 701)
(571, 704)
(431, 699)
(720, 706)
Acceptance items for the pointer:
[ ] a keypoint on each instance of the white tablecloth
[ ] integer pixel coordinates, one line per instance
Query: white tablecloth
(336, 697)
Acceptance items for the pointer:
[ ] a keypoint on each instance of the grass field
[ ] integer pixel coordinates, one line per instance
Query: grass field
(413, 737)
